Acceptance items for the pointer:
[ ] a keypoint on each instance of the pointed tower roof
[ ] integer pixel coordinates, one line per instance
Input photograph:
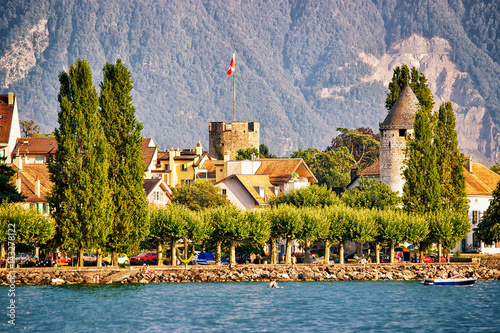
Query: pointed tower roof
(402, 112)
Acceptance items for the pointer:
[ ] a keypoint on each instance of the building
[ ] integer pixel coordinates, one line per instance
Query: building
(393, 131)
(34, 150)
(33, 181)
(181, 166)
(9, 125)
(229, 137)
(149, 156)
(157, 192)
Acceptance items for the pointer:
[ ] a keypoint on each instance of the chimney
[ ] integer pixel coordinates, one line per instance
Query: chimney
(354, 173)
(18, 162)
(468, 164)
(199, 148)
(18, 183)
(11, 98)
(37, 186)
(226, 156)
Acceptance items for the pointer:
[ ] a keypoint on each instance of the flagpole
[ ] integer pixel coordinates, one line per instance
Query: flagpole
(234, 95)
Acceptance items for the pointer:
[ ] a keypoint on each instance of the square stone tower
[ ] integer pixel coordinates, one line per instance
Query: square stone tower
(232, 136)
(393, 131)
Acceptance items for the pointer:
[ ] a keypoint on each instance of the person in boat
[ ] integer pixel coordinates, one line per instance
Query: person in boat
(273, 284)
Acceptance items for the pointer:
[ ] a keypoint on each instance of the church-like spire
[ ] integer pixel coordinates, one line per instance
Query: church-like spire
(403, 111)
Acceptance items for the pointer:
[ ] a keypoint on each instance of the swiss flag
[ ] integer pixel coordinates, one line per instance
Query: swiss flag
(231, 66)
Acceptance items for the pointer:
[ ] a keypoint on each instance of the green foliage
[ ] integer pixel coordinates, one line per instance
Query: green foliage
(310, 196)
(259, 228)
(331, 168)
(450, 161)
(29, 128)
(126, 166)
(488, 230)
(417, 228)
(421, 191)
(8, 192)
(363, 147)
(31, 226)
(246, 154)
(81, 197)
(171, 223)
(361, 225)
(227, 223)
(315, 224)
(418, 83)
(496, 168)
(199, 195)
(264, 152)
(371, 194)
(449, 227)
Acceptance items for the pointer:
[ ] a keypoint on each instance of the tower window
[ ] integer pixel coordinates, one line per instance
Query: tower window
(389, 144)
(402, 132)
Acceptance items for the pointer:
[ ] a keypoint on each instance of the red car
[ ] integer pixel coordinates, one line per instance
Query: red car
(56, 259)
(144, 257)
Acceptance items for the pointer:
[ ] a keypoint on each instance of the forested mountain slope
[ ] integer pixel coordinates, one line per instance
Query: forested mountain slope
(302, 67)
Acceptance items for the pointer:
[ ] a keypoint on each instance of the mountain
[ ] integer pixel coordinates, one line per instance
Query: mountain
(303, 67)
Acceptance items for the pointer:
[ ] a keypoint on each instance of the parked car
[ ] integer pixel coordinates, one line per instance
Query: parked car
(144, 258)
(89, 259)
(207, 258)
(22, 258)
(122, 259)
(55, 259)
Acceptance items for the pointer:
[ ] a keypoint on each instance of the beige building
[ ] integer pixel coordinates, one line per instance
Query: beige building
(9, 125)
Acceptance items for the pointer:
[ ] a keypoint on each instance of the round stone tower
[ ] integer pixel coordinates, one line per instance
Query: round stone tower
(393, 131)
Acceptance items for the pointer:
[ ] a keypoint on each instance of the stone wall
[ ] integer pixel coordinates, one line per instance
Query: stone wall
(232, 136)
(240, 273)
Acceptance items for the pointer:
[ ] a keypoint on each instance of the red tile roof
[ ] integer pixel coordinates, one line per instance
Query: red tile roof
(28, 176)
(35, 146)
(148, 153)
(281, 170)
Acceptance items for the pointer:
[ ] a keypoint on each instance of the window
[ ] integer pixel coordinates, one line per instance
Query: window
(39, 160)
(402, 132)
(184, 167)
(157, 196)
(224, 191)
(167, 167)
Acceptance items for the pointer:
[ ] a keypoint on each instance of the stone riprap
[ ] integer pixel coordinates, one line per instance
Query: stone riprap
(240, 273)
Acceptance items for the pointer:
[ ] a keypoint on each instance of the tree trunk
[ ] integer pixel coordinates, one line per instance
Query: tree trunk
(80, 257)
(307, 248)
(232, 252)
(274, 251)
(440, 249)
(359, 249)
(159, 253)
(173, 259)
(99, 258)
(37, 252)
(341, 253)
(114, 258)
(377, 253)
(327, 252)
(392, 253)
(288, 256)
(421, 252)
(2, 250)
(218, 252)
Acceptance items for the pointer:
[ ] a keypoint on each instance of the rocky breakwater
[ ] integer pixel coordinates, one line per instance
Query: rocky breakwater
(243, 273)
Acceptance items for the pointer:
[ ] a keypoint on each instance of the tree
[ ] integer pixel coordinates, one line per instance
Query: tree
(371, 194)
(450, 161)
(390, 228)
(417, 230)
(286, 223)
(227, 224)
(447, 228)
(8, 192)
(331, 168)
(488, 230)
(310, 196)
(29, 128)
(169, 224)
(31, 227)
(418, 83)
(259, 228)
(80, 197)
(126, 166)
(246, 154)
(496, 168)
(314, 225)
(421, 191)
(264, 152)
(199, 195)
(336, 229)
(363, 147)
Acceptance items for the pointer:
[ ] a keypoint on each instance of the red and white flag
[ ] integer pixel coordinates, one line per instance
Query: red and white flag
(231, 66)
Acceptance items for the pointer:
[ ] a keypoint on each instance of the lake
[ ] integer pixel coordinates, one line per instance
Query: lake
(371, 306)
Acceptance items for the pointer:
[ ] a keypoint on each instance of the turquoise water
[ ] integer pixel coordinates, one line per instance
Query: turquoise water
(376, 306)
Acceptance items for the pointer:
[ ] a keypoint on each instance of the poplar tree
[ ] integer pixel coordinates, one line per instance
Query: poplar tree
(126, 166)
(80, 196)
(450, 161)
(421, 191)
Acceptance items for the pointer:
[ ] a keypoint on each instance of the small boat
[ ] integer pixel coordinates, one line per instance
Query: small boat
(457, 280)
